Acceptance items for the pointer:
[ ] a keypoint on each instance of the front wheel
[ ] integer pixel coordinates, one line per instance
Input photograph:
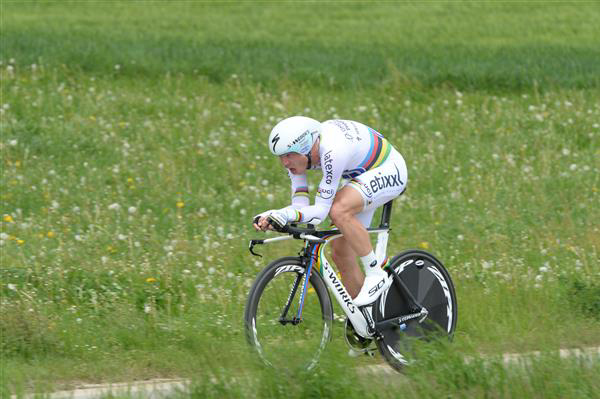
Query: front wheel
(430, 284)
(272, 327)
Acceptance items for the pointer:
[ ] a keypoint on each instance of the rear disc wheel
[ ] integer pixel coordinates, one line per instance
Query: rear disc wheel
(430, 284)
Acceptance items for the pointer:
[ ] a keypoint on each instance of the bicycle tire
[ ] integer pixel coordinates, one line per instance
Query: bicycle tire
(266, 300)
(430, 283)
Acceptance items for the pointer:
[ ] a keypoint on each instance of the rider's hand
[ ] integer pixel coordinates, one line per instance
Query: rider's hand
(260, 221)
(274, 219)
(280, 218)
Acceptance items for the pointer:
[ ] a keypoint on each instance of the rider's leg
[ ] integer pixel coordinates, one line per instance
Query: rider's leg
(348, 202)
(345, 259)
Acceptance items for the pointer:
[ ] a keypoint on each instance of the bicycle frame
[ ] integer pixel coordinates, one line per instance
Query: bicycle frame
(314, 255)
(361, 320)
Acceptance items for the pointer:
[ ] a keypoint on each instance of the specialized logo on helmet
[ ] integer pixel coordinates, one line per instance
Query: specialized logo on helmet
(274, 141)
(299, 138)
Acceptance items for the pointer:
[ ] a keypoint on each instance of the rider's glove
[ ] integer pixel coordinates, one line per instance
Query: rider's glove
(256, 218)
(281, 217)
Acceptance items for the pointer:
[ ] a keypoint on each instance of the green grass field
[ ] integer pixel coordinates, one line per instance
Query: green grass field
(133, 158)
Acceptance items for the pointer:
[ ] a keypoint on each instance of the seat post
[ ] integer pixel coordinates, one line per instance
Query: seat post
(386, 214)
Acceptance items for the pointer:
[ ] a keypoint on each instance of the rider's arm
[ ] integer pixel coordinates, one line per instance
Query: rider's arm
(332, 164)
(299, 190)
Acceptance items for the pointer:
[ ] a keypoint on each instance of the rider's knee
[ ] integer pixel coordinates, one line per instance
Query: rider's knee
(339, 214)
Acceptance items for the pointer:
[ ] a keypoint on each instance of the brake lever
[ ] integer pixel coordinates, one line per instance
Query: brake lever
(251, 247)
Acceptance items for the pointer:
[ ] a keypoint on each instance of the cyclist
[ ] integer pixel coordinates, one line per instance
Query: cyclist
(372, 173)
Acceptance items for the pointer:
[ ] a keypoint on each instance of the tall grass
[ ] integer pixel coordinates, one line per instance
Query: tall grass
(464, 45)
(130, 173)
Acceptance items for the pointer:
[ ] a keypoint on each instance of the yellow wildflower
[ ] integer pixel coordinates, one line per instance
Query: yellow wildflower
(424, 245)
(50, 234)
(151, 280)
(20, 242)
(8, 218)
(180, 204)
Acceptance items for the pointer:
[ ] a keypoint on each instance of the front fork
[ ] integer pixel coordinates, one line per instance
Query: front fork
(307, 262)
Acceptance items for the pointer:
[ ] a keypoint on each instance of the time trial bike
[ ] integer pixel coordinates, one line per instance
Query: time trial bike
(289, 313)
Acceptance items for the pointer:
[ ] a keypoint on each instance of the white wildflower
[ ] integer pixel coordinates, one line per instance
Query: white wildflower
(114, 207)
(132, 210)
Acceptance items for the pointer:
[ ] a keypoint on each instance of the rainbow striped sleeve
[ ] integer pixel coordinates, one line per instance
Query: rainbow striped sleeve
(301, 191)
(299, 216)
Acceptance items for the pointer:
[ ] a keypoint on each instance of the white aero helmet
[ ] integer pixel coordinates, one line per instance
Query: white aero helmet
(295, 134)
